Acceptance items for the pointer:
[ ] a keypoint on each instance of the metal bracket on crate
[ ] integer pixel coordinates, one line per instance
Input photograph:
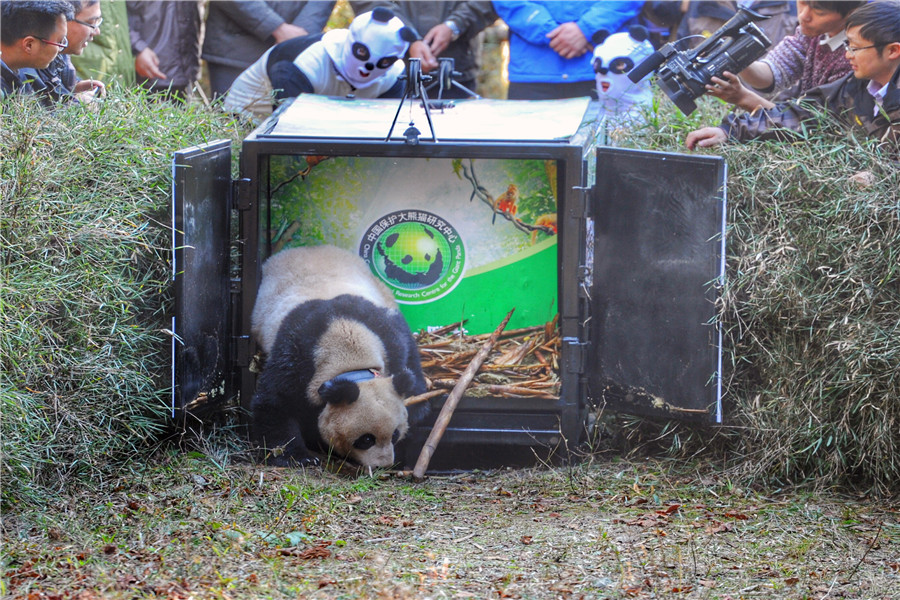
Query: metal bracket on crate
(445, 80)
(415, 88)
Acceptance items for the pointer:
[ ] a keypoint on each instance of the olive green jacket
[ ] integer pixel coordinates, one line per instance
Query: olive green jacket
(108, 57)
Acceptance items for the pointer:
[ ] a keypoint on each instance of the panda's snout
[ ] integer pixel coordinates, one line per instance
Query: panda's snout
(377, 456)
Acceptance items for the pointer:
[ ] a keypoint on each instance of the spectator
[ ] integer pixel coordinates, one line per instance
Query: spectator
(450, 31)
(239, 32)
(868, 97)
(60, 78)
(704, 17)
(365, 60)
(108, 57)
(32, 34)
(165, 41)
(813, 56)
(549, 48)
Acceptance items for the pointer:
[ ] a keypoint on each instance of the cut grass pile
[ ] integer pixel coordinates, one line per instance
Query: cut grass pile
(813, 309)
(85, 246)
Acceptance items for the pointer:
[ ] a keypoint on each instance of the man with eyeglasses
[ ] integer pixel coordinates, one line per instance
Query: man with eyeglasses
(60, 78)
(868, 98)
(32, 34)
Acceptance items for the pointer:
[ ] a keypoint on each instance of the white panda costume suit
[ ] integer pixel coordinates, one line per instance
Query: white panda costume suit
(340, 360)
(365, 60)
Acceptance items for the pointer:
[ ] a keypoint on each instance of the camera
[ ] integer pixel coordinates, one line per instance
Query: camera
(684, 74)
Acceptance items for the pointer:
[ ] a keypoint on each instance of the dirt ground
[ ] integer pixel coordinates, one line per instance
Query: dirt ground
(606, 528)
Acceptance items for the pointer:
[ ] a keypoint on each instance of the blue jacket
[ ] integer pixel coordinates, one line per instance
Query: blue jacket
(531, 60)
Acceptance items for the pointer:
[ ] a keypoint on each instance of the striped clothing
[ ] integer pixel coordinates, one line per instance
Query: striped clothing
(799, 63)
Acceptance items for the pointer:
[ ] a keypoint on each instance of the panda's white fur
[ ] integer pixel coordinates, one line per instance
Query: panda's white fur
(298, 275)
(340, 359)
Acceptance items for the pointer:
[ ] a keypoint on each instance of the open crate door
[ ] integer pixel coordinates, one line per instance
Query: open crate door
(200, 269)
(658, 262)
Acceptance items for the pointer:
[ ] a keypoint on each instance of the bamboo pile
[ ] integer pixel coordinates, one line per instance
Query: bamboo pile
(524, 363)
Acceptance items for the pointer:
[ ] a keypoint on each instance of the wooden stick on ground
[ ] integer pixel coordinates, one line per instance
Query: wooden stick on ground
(440, 425)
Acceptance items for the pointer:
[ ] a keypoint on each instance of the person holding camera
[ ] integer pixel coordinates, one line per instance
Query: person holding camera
(868, 97)
(813, 56)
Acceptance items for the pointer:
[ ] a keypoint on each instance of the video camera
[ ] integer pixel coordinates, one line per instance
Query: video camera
(684, 74)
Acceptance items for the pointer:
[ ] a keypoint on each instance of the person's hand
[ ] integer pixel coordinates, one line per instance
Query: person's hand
(146, 65)
(730, 89)
(705, 138)
(568, 41)
(438, 38)
(89, 88)
(419, 49)
(287, 31)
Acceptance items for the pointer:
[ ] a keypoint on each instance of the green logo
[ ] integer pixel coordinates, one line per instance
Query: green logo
(418, 254)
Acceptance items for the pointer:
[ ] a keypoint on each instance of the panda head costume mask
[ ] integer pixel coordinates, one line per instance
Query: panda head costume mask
(614, 56)
(374, 42)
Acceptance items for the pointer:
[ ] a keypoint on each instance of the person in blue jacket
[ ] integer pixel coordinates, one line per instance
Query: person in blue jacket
(550, 44)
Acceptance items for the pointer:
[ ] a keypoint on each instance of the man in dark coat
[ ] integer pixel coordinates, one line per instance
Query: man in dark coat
(165, 41)
(239, 32)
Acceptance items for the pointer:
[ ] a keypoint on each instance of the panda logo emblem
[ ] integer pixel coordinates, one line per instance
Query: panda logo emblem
(413, 254)
(417, 254)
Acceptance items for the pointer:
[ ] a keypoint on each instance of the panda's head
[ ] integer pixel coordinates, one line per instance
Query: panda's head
(363, 416)
(375, 41)
(615, 55)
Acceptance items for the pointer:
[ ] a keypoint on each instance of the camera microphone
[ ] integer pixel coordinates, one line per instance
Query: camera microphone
(647, 66)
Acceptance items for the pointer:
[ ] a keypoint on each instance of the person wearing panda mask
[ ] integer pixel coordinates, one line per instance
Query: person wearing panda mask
(364, 60)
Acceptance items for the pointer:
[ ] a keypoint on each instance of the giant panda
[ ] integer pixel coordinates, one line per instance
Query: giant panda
(339, 360)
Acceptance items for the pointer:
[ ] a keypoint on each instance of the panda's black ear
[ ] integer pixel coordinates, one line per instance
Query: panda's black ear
(638, 32)
(339, 392)
(408, 35)
(598, 37)
(382, 14)
(405, 383)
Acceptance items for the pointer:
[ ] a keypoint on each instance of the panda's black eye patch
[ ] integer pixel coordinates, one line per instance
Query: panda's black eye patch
(386, 62)
(364, 442)
(406, 259)
(396, 437)
(360, 51)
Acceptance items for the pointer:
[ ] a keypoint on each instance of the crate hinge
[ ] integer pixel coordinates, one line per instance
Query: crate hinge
(240, 193)
(578, 204)
(575, 355)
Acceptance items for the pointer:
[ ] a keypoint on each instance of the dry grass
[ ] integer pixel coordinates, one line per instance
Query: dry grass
(609, 529)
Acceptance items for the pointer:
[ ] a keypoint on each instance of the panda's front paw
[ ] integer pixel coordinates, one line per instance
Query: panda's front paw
(280, 458)
(307, 461)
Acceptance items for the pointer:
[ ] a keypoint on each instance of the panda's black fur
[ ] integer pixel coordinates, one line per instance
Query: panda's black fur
(364, 347)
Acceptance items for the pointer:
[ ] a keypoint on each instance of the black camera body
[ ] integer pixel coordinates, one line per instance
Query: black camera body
(684, 74)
